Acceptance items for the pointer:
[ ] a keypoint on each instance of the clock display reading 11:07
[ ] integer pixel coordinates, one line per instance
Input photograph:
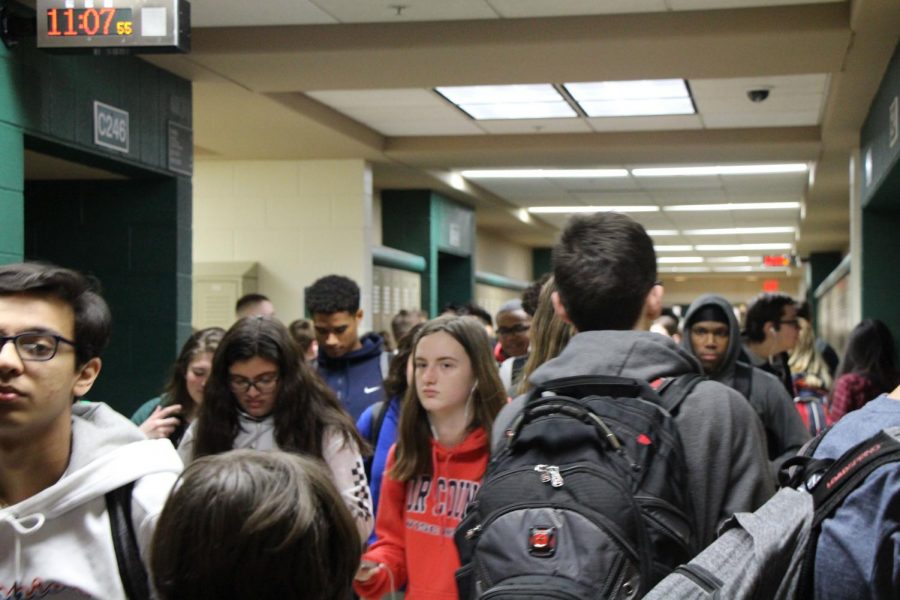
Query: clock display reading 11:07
(73, 22)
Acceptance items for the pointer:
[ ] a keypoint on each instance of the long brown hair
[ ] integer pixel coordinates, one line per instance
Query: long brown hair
(413, 452)
(304, 406)
(176, 392)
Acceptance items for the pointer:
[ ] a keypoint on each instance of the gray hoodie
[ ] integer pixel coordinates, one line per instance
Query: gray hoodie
(785, 432)
(722, 437)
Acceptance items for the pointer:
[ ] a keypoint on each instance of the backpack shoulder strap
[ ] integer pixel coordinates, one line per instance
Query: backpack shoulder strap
(379, 410)
(743, 378)
(843, 476)
(674, 390)
(852, 468)
(128, 556)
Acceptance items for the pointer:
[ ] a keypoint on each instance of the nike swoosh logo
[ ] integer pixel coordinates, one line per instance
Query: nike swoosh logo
(369, 390)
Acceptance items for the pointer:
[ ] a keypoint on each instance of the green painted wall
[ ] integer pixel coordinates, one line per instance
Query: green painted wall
(425, 223)
(122, 233)
(541, 262)
(820, 266)
(880, 190)
(12, 203)
(135, 234)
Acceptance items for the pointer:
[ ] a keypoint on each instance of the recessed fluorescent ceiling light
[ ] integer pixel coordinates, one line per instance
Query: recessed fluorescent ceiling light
(482, 102)
(732, 206)
(684, 269)
(750, 269)
(498, 94)
(544, 173)
(734, 259)
(675, 248)
(769, 169)
(590, 209)
(719, 247)
(679, 259)
(661, 232)
(739, 231)
(632, 98)
(519, 110)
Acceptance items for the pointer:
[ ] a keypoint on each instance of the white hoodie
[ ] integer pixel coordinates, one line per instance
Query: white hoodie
(58, 543)
(340, 455)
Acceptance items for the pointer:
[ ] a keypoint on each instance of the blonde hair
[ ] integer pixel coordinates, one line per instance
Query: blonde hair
(549, 334)
(805, 359)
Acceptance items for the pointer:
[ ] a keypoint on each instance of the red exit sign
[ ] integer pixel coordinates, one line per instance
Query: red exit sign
(777, 261)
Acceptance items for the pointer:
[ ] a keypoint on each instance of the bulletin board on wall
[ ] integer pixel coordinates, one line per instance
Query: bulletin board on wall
(393, 290)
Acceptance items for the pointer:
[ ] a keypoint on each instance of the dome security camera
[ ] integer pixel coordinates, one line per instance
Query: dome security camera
(758, 96)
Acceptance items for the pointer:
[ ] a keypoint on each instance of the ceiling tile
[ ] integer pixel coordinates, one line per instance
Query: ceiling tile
(739, 120)
(404, 127)
(645, 123)
(389, 97)
(359, 11)
(714, 4)
(679, 183)
(617, 197)
(560, 8)
(815, 83)
(215, 13)
(535, 126)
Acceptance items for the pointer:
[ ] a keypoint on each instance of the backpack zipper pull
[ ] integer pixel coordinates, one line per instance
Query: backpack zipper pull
(550, 474)
(474, 532)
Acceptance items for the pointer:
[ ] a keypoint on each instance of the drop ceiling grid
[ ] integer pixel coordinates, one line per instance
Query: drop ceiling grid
(795, 101)
(215, 13)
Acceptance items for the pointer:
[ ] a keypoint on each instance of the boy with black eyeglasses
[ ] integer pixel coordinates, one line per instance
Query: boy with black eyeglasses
(712, 335)
(80, 486)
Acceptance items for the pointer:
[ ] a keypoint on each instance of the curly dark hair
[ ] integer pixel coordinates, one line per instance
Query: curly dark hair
(304, 406)
(331, 294)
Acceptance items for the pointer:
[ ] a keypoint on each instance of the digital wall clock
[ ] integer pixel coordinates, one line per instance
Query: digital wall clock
(116, 26)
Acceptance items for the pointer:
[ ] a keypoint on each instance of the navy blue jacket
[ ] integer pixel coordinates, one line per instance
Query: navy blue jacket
(356, 376)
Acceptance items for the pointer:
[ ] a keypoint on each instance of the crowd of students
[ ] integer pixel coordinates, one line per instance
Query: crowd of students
(308, 473)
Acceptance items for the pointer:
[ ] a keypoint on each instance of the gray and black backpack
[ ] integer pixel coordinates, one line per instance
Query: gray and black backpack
(588, 498)
(770, 554)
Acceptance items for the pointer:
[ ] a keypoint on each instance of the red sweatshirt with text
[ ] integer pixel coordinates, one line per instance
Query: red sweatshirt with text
(416, 521)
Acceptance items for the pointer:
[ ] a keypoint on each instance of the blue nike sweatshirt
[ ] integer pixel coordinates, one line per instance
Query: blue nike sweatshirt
(356, 376)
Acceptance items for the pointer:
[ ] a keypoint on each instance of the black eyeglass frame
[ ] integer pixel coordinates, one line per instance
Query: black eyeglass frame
(15, 340)
(243, 385)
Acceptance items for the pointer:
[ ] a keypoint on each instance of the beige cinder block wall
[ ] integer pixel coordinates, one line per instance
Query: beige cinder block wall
(299, 220)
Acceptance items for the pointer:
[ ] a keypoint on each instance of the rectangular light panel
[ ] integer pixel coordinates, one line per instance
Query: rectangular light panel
(632, 98)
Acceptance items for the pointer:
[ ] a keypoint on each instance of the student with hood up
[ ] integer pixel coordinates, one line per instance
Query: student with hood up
(712, 335)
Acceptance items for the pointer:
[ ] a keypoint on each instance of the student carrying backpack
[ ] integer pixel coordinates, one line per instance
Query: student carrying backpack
(588, 498)
(771, 554)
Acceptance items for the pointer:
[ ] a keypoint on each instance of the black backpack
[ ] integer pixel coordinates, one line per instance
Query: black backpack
(588, 498)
